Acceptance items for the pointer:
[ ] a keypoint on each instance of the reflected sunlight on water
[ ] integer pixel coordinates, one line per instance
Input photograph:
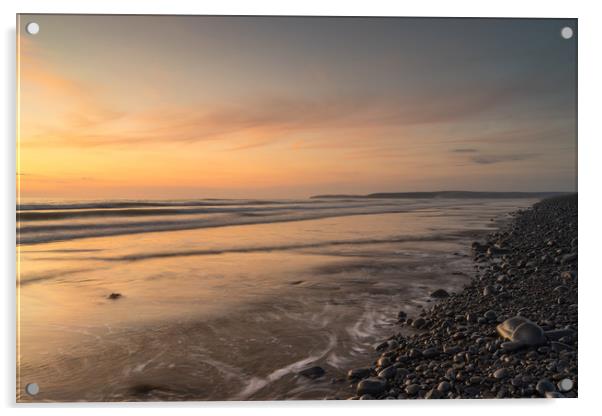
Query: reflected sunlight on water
(232, 311)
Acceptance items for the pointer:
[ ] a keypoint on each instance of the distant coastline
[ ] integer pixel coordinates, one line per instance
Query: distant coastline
(447, 194)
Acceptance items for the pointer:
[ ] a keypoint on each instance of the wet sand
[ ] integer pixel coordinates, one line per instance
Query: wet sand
(234, 313)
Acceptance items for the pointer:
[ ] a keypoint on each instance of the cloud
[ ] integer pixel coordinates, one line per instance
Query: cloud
(464, 150)
(82, 116)
(492, 159)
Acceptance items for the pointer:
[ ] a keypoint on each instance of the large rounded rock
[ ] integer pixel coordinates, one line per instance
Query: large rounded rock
(522, 331)
(372, 386)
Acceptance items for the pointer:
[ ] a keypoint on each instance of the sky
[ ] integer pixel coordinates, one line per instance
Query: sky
(114, 107)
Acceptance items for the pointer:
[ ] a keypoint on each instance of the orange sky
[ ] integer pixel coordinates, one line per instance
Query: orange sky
(193, 107)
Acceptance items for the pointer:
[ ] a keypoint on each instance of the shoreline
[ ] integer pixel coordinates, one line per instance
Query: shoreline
(466, 346)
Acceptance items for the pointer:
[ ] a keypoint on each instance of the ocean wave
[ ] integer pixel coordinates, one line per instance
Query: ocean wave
(45, 215)
(35, 234)
(278, 247)
(158, 203)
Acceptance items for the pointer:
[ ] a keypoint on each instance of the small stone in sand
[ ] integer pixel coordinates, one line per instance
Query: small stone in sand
(439, 294)
(114, 296)
(312, 372)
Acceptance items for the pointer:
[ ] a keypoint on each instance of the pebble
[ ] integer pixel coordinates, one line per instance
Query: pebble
(501, 373)
(544, 386)
(389, 372)
(418, 323)
(488, 291)
(114, 296)
(358, 373)
(313, 372)
(433, 394)
(371, 386)
(490, 315)
(439, 294)
(412, 389)
(383, 362)
(443, 387)
(430, 352)
(564, 385)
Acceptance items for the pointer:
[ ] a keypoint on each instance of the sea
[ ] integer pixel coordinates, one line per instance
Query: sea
(224, 299)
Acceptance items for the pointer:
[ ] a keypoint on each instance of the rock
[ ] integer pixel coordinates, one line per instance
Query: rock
(543, 386)
(479, 248)
(500, 373)
(114, 296)
(382, 346)
(366, 397)
(430, 352)
(490, 315)
(564, 385)
(358, 373)
(472, 391)
(439, 294)
(418, 323)
(372, 386)
(489, 290)
(389, 372)
(568, 258)
(559, 346)
(412, 389)
(312, 372)
(451, 350)
(383, 362)
(415, 353)
(433, 394)
(493, 251)
(556, 334)
(443, 387)
(553, 395)
(520, 330)
(401, 315)
(568, 276)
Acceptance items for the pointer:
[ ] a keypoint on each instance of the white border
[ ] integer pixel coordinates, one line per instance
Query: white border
(590, 92)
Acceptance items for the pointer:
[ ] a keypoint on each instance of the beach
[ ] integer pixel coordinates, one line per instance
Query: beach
(512, 332)
(233, 300)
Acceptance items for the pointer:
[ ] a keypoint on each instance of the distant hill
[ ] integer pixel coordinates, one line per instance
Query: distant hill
(447, 194)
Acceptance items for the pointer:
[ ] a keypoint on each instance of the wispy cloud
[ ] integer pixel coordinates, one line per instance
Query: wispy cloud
(88, 121)
(492, 159)
(464, 150)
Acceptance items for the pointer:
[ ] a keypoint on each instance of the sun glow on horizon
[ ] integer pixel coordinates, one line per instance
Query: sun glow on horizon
(133, 109)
